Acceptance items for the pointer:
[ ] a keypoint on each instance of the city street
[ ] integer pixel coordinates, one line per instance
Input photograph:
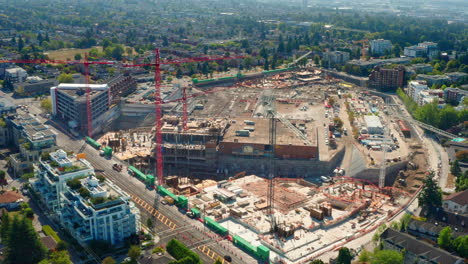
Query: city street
(191, 232)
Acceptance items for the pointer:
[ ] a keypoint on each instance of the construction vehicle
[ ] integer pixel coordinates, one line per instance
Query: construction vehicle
(169, 200)
(117, 167)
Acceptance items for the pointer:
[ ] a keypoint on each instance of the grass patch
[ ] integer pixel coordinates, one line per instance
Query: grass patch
(50, 232)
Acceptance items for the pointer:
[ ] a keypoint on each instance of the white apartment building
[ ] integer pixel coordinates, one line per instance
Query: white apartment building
(91, 210)
(426, 98)
(99, 211)
(16, 75)
(380, 46)
(415, 87)
(53, 174)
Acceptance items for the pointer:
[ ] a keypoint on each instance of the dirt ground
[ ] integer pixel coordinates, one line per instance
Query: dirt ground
(414, 177)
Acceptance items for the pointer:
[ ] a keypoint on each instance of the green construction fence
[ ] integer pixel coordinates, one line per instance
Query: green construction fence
(217, 228)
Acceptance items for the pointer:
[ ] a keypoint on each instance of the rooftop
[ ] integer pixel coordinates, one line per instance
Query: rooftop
(419, 248)
(460, 198)
(259, 132)
(10, 197)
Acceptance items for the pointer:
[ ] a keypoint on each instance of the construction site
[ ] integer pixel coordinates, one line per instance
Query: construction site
(307, 219)
(288, 164)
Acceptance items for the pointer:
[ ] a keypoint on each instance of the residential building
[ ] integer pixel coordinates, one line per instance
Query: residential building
(420, 68)
(32, 138)
(423, 49)
(415, 87)
(99, 211)
(333, 58)
(387, 78)
(16, 75)
(34, 86)
(414, 51)
(458, 77)
(434, 79)
(380, 46)
(456, 203)
(52, 176)
(69, 104)
(10, 200)
(121, 86)
(377, 62)
(455, 95)
(7, 106)
(416, 250)
(431, 49)
(90, 210)
(425, 97)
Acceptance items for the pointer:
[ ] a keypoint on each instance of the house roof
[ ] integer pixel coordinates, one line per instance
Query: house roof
(9, 197)
(460, 198)
(49, 242)
(419, 248)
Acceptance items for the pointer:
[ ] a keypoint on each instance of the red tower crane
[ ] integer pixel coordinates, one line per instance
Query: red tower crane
(158, 101)
(86, 71)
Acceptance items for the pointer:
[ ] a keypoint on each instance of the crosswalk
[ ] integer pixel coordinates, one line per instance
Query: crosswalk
(211, 254)
(162, 218)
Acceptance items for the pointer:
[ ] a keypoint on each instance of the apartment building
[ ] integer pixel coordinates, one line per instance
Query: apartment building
(90, 209)
(380, 46)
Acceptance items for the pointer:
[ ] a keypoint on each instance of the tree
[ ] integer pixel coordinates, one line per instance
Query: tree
(338, 122)
(78, 56)
(46, 104)
(455, 169)
(20, 43)
(23, 244)
(65, 78)
(460, 244)
(444, 240)
(365, 256)
(5, 227)
(218, 261)
(431, 195)
(387, 257)
(117, 52)
(344, 256)
(149, 222)
(108, 260)
(134, 253)
(57, 257)
(3, 180)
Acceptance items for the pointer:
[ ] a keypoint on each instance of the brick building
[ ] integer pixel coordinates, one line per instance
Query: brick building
(387, 78)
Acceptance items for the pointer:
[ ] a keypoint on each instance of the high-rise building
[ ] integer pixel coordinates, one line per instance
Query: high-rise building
(380, 46)
(387, 78)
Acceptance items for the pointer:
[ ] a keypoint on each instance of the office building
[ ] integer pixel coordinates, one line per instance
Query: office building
(69, 104)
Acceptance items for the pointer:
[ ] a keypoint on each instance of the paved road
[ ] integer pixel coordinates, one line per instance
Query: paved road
(189, 231)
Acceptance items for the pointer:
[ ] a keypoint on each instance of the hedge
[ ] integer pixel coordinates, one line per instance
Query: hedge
(50, 232)
(181, 253)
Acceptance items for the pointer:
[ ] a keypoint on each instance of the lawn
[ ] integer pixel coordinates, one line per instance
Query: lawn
(68, 54)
